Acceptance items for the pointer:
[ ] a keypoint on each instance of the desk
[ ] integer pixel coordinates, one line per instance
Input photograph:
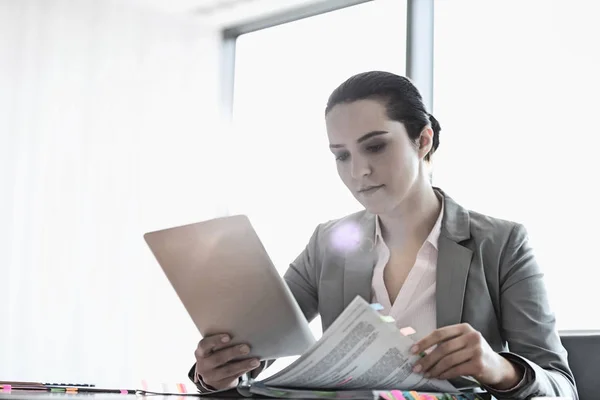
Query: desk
(22, 395)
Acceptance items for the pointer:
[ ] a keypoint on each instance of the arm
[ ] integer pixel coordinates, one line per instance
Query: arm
(302, 276)
(529, 326)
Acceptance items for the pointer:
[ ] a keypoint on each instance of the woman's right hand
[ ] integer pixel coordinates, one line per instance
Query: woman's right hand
(214, 365)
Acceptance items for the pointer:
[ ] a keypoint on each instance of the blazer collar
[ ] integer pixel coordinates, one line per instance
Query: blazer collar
(453, 263)
(455, 224)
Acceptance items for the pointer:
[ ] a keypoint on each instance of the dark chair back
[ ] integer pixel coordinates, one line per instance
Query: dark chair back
(584, 359)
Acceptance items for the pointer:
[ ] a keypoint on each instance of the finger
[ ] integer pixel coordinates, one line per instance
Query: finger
(441, 351)
(438, 336)
(464, 369)
(224, 356)
(221, 357)
(230, 371)
(211, 343)
(450, 361)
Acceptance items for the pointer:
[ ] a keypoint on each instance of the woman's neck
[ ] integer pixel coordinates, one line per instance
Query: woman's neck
(412, 221)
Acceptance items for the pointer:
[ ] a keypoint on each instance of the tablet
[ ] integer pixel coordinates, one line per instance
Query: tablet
(227, 283)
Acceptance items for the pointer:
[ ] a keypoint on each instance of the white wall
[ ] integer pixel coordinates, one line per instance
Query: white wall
(108, 129)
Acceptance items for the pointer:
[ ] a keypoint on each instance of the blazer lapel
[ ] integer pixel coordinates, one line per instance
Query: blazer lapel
(454, 261)
(359, 263)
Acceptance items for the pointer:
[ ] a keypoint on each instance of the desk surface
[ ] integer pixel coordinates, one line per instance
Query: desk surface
(18, 395)
(22, 395)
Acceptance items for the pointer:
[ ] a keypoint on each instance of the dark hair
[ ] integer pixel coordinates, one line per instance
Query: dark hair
(401, 98)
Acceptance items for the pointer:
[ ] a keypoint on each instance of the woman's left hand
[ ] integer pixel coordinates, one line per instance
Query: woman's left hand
(462, 351)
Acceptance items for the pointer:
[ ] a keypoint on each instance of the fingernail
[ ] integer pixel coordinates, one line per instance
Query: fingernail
(225, 339)
(254, 363)
(244, 349)
(414, 349)
(417, 368)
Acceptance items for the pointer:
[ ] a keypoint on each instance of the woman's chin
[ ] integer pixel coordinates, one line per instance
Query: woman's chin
(376, 208)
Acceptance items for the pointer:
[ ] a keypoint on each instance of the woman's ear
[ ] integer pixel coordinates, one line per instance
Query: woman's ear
(425, 141)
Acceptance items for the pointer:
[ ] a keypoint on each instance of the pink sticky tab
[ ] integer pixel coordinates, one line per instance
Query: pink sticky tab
(407, 331)
(123, 391)
(6, 388)
(398, 395)
(144, 384)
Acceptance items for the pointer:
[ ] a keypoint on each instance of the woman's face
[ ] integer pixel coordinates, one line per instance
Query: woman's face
(375, 158)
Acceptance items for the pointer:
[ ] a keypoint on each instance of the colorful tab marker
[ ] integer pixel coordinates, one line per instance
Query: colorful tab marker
(387, 318)
(414, 395)
(398, 395)
(344, 381)
(6, 388)
(376, 306)
(407, 331)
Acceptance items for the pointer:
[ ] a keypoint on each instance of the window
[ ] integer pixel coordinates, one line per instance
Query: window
(515, 87)
(284, 176)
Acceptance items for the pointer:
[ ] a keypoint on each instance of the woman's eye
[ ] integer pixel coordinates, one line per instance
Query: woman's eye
(341, 157)
(376, 148)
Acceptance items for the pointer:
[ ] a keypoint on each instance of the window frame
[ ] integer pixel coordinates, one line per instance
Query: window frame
(419, 43)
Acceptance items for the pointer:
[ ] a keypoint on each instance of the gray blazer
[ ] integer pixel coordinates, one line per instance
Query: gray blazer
(487, 276)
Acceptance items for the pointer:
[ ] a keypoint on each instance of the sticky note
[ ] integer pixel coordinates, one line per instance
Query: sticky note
(407, 331)
(182, 388)
(398, 395)
(376, 306)
(415, 395)
(387, 318)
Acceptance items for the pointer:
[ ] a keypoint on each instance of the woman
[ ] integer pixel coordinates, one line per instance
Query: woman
(468, 283)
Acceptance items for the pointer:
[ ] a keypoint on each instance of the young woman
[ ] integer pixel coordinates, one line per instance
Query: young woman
(467, 283)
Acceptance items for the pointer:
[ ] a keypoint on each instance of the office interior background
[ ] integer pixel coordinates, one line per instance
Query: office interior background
(118, 117)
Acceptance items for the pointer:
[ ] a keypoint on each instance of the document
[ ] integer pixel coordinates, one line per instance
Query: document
(358, 351)
(361, 356)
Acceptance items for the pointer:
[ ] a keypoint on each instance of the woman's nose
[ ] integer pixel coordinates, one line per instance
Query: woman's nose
(359, 168)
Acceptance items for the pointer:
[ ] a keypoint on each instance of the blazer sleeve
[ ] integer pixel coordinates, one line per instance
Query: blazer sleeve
(529, 325)
(302, 277)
